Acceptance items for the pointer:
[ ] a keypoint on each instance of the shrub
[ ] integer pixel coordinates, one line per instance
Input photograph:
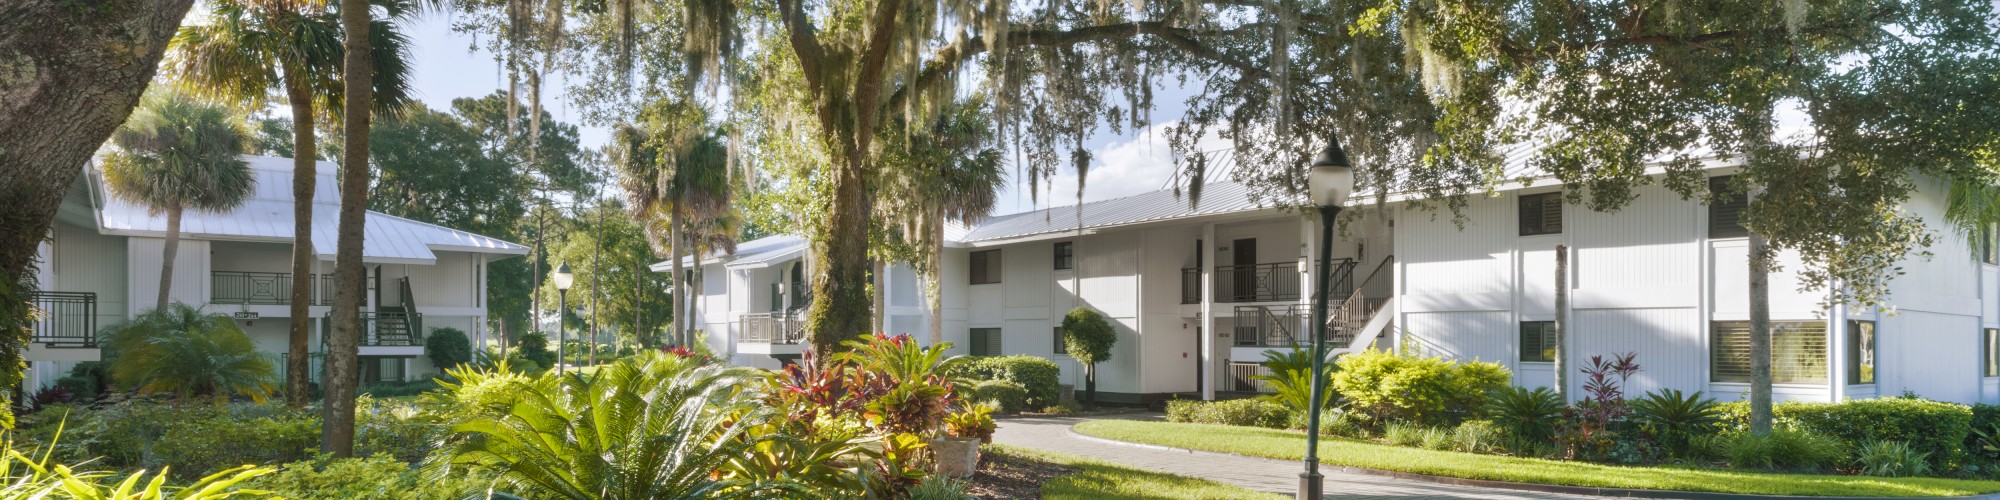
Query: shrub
(1891, 459)
(1009, 395)
(447, 348)
(1042, 378)
(1070, 408)
(1476, 436)
(1674, 417)
(1403, 434)
(1785, 449)
(1388, 386)
(96, 371)
(1291, 381)
(1437, 438)
(534, 346)
(1984, 439)
(1936, 428)
(83, 388)
(1088, 336)
(1525, 414)
(938, 487)
(195, 440)
(184, 351)
(1241, 412)
(374, 478)
(399, 389)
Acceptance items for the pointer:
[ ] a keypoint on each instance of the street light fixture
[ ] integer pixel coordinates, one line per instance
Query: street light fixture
(563, 279)
(1329, 183)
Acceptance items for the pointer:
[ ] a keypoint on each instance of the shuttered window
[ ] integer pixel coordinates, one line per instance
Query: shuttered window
(986, 267)
(985, 342)
(1538, 341)
(1798, 352)
(1062, 346)
(1541, 214)
(1065, 255)
(1725, 209)
(1860, 352)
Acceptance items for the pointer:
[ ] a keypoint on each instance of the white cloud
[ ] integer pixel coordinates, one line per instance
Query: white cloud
(1138, 163)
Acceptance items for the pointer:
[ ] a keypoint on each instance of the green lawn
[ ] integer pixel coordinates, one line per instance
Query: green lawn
(1289, 445)
(1094, 479)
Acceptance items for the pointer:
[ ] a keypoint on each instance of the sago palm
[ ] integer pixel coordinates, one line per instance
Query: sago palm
(176, 153)
(187, 352)
(653, 426)
(244, 51)
(1291, 380)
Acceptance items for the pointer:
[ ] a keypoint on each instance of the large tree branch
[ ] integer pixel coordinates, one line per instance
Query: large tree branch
(874, 61)
(949, 59)
(805, 42)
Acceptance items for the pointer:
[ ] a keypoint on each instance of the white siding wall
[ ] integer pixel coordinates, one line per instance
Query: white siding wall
(84, 261)
(191, 261)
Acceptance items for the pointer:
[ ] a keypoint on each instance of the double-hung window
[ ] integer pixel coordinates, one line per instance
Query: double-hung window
(1725, 209)
(1065, 255)
(1798, 352)
(1541, 214)
(985, 342)
(1989, 347)
(1062, 345)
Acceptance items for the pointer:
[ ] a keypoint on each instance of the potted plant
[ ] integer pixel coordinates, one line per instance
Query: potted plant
(958, 449)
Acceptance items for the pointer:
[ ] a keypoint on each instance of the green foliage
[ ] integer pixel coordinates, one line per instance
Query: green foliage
(1088, 335)
(183, 351)
(195, 440)
(1291, 380)
(1936, 428)
(1984, 439)
(534, 347)
(379, 477)
(1042, 378)
(1785, 449)
(1891, 459)
(1243, 412)
(1476, 436)
(1401, 433)
(25, 477)
(83, 387)
(974, 421)
(610, 248)
(1387, 386)
(400, 389)
(1675, 417)
(1524, 413)
(447, 348)
(176, 153)
(938, 487)
(1010, 396)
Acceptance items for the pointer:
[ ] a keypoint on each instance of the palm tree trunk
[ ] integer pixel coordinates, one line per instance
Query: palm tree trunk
(343, 349)
(1562, 323)
(305, 153)
(680, 285)
(935, 288)
(167, 254)
(694, 297)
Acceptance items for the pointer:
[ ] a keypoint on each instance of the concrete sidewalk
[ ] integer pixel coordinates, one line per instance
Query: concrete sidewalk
(1260, 474)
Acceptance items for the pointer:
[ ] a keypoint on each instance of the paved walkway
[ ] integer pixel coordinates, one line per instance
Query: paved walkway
(1275, 476)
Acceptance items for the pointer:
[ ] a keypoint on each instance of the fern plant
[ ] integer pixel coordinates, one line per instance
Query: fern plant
(1526, 414)
(1290, 381)
(186, 352)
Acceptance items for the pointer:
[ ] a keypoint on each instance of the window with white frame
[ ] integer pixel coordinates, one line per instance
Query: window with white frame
(986, 267)
(1798, 352)
(1538, 341)
(1541, 214)
(1860, 352)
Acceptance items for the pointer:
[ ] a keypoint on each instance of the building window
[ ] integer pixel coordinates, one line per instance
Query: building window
(1725, 209)
(1798, 352)
(1860, 352)
(985, 342)
(1989, 245)
(1538, 341)
(1062, 346)
(986, 267)
(1065, 255)
(1989, 361)
(1541, 214)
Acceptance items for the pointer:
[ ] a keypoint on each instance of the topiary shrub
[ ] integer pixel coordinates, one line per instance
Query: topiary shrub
(447, 348)
(1088, 336)
(1042, 378)
(1010, 396)
(1386, 386)
(1240, 412)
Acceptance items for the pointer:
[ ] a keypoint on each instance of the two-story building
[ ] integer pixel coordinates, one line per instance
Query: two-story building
(100, 265)
(1199, 294)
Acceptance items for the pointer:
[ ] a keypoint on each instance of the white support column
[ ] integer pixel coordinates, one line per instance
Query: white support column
(1836, 376)
(1207, 291)
(1308, 269)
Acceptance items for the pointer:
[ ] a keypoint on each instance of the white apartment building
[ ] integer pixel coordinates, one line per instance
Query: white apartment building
(100, 265)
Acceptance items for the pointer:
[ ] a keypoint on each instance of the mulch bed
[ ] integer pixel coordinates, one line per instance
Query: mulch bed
(1013, 476)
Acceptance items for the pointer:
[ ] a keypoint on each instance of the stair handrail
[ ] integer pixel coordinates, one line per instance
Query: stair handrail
(409, 299)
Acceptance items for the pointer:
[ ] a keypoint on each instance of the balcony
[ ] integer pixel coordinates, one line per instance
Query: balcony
(254, 288)
(64, 319)
(1269, 282)
(772, 328)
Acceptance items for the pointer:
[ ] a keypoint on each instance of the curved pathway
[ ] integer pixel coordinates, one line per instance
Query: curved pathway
(1052, 434)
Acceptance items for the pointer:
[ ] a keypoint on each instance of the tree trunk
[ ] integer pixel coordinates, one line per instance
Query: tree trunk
(839, 309)
(343, 349)
(935, 288)
(639, 332)
(680, 285)
(596, 257)
(694, 298)
(1090, 386)
(1562, 322)
(305, 152)
(168, 251)
(535, 256)
(1760, 333)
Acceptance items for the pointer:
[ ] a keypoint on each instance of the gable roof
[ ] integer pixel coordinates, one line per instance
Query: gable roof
(1217, 199)
(267, 216)
(757, 253)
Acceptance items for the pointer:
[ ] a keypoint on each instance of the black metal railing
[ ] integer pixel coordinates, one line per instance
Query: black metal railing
(772, 328)
(64, 319)
(1270, 282)
(1190, 285)
(255, 288)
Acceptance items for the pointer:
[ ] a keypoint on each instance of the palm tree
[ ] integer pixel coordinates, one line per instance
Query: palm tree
(712, 233)
(674, 169)
(954, 175)
(248, 48)
(181, 350)
(177, 153)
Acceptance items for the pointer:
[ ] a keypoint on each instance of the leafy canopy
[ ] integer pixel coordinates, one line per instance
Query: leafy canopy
(1088, 335)
(176, 153)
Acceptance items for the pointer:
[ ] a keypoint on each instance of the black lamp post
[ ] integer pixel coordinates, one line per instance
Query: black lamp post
(562, 279)
(1330, 182)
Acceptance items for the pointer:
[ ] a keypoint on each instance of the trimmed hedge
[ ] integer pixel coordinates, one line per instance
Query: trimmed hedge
(1938, 428)
(1041, 377)
(1242, 412)
(1985, 418)
(1010, 395)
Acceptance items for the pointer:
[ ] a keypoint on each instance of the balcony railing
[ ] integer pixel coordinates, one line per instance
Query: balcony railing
(255, 288)
(772, 328)
(64, 319)
(1270, 282)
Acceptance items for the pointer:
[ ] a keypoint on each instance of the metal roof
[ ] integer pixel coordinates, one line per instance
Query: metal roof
(757, 253)
(267, 216)
(1217, 198)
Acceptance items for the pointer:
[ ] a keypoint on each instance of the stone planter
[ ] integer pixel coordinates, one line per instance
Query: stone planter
(956, 457)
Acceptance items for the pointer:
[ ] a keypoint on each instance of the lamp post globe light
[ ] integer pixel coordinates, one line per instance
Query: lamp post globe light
(1329, 184)
(563, 279)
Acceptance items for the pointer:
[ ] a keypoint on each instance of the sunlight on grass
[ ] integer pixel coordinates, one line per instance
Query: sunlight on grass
(1287, 445)
(1094, 479)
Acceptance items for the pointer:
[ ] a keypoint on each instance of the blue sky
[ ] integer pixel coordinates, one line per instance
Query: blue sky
(1124, 165)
